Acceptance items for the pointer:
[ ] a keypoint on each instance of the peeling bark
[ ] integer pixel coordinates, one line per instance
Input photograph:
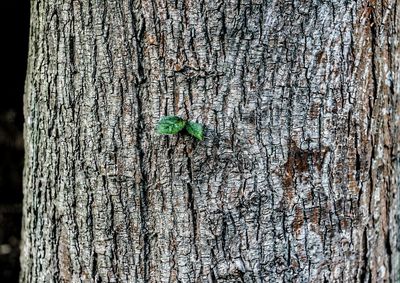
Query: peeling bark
(297, 179)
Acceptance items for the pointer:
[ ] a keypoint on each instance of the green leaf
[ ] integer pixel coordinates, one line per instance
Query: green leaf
(195, 129)
(170, 125)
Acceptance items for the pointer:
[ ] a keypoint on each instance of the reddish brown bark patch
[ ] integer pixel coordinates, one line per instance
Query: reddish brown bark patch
(298, 221)
(300, 161)
(314, 111)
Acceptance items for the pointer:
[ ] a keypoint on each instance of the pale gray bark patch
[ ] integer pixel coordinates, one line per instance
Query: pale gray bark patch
(297, 179)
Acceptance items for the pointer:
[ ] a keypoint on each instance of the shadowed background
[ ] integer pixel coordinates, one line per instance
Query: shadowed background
(14, 34)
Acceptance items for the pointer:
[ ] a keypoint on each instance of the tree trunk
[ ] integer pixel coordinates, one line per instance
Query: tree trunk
(297, 179)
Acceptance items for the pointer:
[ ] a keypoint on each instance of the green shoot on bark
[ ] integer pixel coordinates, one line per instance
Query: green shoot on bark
(195, 129)
(171, 125)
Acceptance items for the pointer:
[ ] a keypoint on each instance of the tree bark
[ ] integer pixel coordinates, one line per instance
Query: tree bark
(297, 179)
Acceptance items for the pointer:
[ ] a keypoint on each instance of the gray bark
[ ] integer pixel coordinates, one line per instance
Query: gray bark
(297, 179)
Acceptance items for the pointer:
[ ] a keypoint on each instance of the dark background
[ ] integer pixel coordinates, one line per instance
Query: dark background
(14, 53)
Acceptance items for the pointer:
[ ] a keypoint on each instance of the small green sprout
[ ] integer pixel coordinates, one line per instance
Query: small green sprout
(195, 129)
(171, 125)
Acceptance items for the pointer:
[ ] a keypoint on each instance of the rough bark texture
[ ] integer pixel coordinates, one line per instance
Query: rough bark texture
(297, 179)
